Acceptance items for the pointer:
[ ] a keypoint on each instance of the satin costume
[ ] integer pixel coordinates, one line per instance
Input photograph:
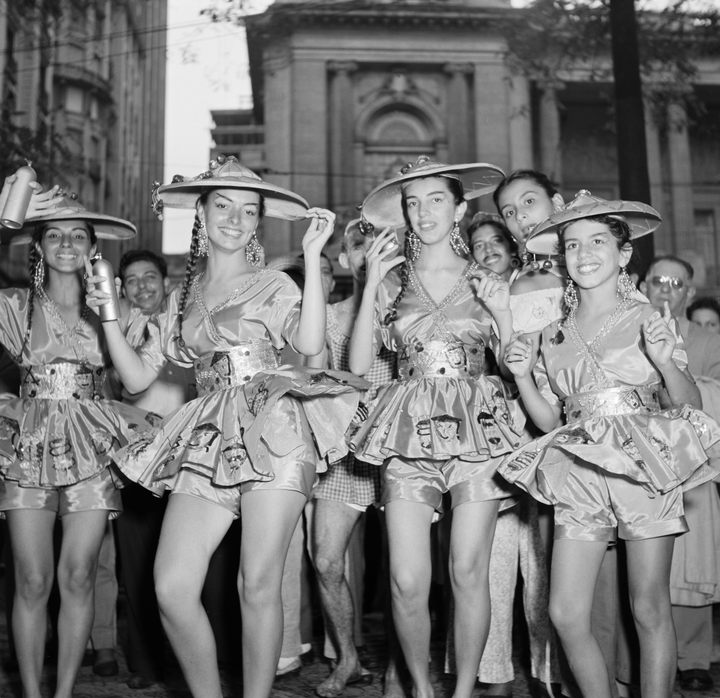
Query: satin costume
(615, 426)
(62, 429)
(445, 406)
(252, 416)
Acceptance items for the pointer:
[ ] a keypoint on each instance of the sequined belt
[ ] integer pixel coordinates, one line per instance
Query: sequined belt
(438, 358)
(225, 369)
(63, 381)
(611, 401)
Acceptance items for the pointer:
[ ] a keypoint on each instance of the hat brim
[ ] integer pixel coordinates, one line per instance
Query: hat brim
(278, 202)
(382, 206)
(641, 218)
(106, 227)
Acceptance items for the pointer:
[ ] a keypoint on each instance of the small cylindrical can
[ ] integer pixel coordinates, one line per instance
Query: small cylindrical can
(101, 267)
(15, 208)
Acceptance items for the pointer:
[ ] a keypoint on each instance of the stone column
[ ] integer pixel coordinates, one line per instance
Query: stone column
(342, 126)
(521, 150)
(680, 177)
(550, 144)
(459, 135)
(663, 239)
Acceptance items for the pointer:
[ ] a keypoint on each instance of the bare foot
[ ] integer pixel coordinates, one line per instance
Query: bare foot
(392, 686)
(343, 675)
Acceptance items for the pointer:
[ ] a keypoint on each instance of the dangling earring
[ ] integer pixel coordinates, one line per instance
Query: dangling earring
(515, 262)
(202, 238)
(626, 288)
(39, 273)
(254, 252)
(414, 245)
(570, 295)
(457, 243)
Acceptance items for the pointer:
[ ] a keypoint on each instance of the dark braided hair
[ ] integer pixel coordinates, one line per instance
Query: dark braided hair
(190, 268)
(456, 189)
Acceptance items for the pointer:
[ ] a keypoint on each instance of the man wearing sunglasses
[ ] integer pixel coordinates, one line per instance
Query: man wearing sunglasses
(695, 576)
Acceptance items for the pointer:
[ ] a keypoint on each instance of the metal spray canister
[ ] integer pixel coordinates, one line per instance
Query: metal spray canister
(16, 205)
(101, 267)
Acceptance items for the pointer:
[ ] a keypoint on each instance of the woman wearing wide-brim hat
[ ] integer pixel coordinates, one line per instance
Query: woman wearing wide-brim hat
(443, 426)
(250, 444)
(59, 436)
(624, 437)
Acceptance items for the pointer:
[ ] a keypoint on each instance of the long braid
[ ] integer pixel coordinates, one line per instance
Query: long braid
(34, 258)
(404, 281)
(190, 267)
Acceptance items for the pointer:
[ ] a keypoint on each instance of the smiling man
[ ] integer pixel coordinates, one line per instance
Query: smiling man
(144, 280)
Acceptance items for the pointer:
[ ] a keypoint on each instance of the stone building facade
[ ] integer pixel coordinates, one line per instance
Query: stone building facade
(94, 75)
(348, 91)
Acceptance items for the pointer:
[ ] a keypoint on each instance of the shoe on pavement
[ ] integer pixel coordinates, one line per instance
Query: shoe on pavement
(695, 680)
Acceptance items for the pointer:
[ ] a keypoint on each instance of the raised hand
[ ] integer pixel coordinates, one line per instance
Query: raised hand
(519, 356)
(42, 202)
(381, 257)
(659, 337)
(492, 290)
(322, 224)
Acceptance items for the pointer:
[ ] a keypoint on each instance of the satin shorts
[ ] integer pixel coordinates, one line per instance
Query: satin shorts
(596, 506)
(295, 472)
(96, 493)
(425, 481)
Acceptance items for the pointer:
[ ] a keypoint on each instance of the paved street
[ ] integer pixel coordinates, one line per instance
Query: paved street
(91, 686)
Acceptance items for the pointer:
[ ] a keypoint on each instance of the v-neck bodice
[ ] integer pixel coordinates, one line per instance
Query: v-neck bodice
(460, 316)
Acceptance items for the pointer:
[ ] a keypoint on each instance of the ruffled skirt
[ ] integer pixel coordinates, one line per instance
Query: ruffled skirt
(244, 432)
(658, 450)
(439, 418)
(54, 443)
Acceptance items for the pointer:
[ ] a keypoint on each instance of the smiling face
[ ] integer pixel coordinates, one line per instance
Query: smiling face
(144, 285)
(65, 244)
(593, 255)
(231, 216)
(490, 249)
(431, 208)
(523, 204)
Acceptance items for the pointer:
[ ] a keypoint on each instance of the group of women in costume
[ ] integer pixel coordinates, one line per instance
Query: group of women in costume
(565, 347)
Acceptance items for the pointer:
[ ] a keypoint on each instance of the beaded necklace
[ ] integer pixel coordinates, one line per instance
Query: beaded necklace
(69, 336)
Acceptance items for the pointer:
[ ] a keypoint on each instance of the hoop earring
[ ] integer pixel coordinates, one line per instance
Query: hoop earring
(626, 288)
(457, 243)
(414, 245)
(570, 295)
(39, 273)
(202, 238)
(254, 252)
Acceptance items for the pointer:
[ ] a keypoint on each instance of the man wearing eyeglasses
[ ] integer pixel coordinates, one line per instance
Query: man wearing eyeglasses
(695, 576)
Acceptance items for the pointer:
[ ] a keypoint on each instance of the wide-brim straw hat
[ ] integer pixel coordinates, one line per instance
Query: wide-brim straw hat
(383, 205)
(229, 173)
(68, 208)
(641, 218)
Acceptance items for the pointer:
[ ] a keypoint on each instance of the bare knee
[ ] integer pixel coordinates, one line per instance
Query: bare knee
(174, 591)
(258, 590)
(567, 617)
(330, 570)
(651, 611)
(467, 575)
(408, 589)
(33, 586)
(77, 577)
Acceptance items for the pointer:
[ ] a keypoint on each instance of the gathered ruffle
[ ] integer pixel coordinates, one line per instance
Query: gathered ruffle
(240, 433)
(439, 418)
(659, 450)
(54, 443)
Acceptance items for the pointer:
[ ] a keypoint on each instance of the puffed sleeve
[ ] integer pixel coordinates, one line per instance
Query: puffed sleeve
(281, 309)
(160, 338)
(13, 318)
(387, 293)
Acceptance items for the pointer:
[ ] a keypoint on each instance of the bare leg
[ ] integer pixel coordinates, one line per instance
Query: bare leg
(334, 523)
(192, 529)
(408, 525)
(648, 564)
(31, 537)
(82, 535)
(269, 518)
(473, 527)
(574, 572)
